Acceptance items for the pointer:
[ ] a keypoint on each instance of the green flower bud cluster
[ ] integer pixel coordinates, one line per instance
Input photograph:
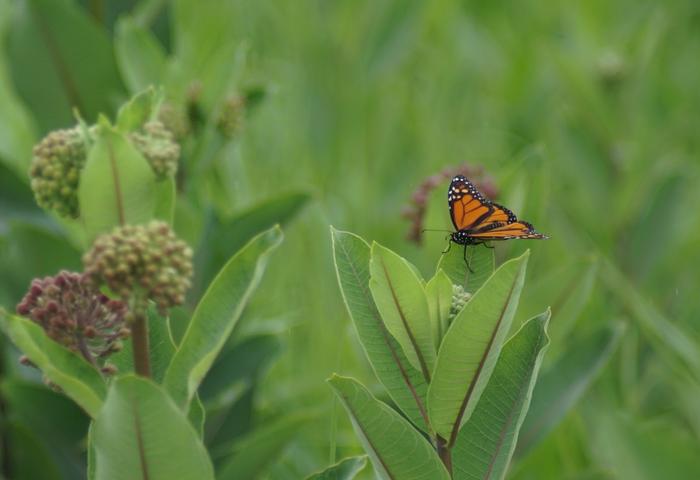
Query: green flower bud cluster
(55, 171)
(232, 116)
(174, 119)
(156, 143)
(141, 263)
(460, 297)
(76, 315)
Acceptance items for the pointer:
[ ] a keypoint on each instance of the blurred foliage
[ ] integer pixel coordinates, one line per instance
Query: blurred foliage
(582, 112)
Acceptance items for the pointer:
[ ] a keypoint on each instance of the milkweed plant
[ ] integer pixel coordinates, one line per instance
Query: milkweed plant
(458, 372)
(102, 335)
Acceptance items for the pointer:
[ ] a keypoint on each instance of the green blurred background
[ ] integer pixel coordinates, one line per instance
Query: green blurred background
(584, 114)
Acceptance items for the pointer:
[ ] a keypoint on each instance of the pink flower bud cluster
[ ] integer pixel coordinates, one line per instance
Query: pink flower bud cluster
(76, 315)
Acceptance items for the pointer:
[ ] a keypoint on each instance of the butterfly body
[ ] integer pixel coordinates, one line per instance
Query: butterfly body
(478, 220)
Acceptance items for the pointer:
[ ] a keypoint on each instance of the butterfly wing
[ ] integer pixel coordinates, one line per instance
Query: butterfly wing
(481, 218)
(507, 231)
(468, 208)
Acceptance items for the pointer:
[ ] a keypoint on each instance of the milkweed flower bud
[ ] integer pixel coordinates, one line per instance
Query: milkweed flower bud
(174, 119)
(460, 297)
(140, 263)
(76, 315)
(55, 171)
(156, 143)
(232, 116)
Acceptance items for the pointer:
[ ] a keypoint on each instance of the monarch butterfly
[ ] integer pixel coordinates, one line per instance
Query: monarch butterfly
(478, 220)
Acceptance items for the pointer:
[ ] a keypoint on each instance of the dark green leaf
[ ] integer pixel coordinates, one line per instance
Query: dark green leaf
(255, 453)
(481, 260)
(61, 59)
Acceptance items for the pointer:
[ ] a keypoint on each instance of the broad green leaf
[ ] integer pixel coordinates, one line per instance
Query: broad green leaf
(397, 450)
(28, 457)
(239, 364)
(346, 469)
(405, 384)
(117, 185)
(562, 384)
(141, 434)
(485, 444)
(62, 430)
(216, 315)
(255, 453)
(140, 57)
(29, 403)
(138, 110)
(76, 377)
(400, 298)
(61, 59)
(439, 293)
(481, 260)
(471, 347)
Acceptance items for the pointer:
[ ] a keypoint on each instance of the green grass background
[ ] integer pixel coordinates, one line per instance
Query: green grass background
(584, 113)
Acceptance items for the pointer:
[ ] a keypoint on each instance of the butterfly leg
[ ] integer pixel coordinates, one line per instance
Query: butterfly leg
(488, 246)
(465, 259)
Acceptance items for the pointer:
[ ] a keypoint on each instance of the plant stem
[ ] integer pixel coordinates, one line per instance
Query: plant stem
(139, 338)
(445, 454)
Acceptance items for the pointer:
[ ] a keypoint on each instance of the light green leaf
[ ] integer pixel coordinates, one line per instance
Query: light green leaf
(139, 109)
(485, 444)
(166, 197)
(141, 434)
(405, 384)
(140, 57)
(197, 415)
(397, 450)
(216, 315)
(471, 347)
(117, 185)
(76, 377)
(400, 298)
(255, 453)
(439, 293)
(346, 469)
(562, 384)
(481, 260)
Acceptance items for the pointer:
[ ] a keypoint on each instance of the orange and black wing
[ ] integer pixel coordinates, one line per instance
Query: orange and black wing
(517, 229)
(469, 209)
(481, 218)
